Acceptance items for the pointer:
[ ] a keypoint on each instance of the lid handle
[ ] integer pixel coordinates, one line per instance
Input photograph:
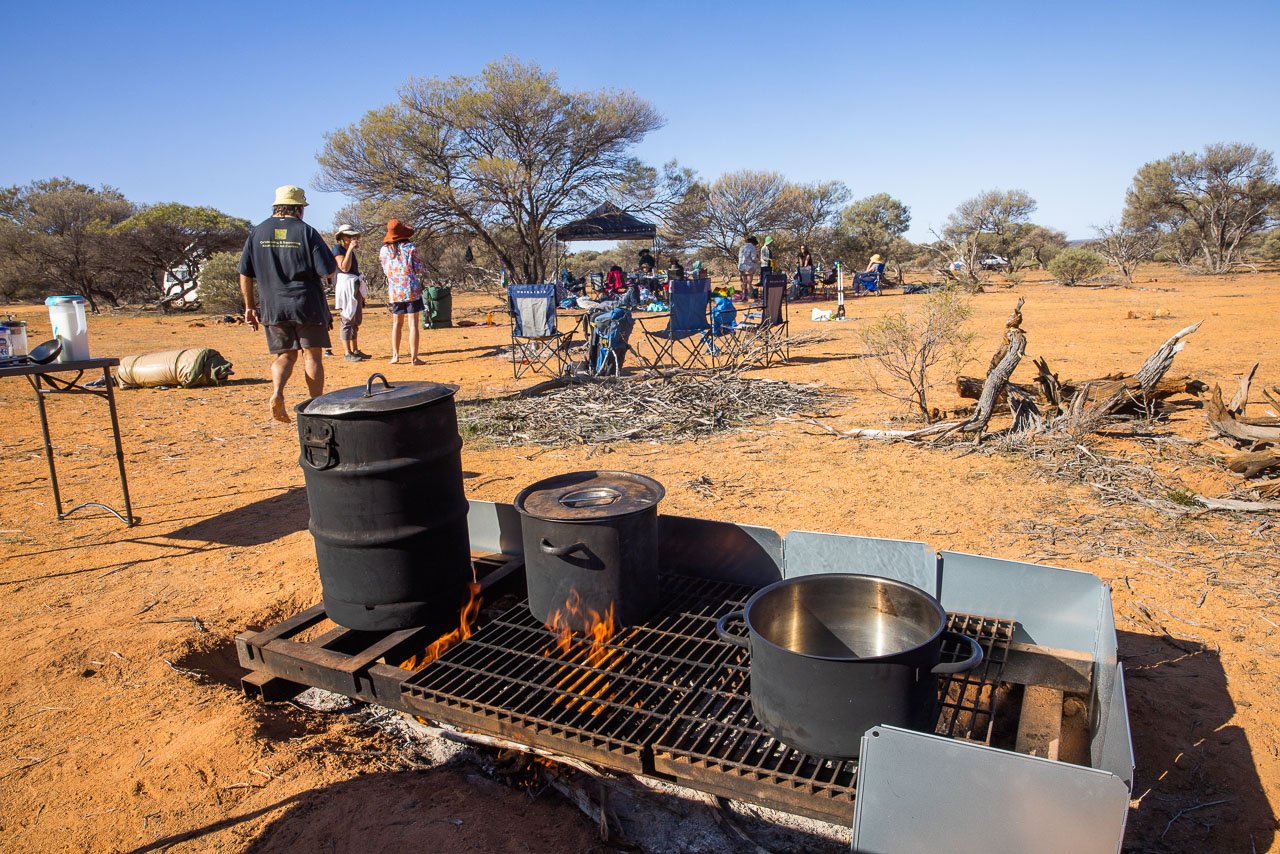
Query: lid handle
(368, 387)
(598, 497)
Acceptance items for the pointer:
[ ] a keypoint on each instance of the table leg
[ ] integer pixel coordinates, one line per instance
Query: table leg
(48, 445)
(115, 432)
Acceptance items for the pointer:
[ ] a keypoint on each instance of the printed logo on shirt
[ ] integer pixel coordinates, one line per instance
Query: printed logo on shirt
(281, 233)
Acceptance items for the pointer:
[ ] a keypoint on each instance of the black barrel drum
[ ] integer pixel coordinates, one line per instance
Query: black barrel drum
(383, 468)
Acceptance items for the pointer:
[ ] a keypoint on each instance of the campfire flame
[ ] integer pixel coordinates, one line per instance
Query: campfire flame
(466, 623)
(582, 636)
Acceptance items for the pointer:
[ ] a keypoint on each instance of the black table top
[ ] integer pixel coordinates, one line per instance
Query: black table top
(57, 367)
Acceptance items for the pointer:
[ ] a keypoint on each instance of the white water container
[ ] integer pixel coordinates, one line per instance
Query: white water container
(66, 314)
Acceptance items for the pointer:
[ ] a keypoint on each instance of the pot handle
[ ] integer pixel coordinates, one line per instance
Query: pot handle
(368, 387)
(559, 551)
(722, 629)
(974, 659)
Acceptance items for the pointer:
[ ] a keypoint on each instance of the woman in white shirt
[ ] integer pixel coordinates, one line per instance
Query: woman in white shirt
(748, 265)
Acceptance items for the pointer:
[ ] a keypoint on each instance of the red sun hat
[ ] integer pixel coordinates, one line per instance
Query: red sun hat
(397, 231)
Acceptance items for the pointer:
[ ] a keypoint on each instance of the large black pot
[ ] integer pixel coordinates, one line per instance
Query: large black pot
(383, 468)
(834, 655)
(591, 544)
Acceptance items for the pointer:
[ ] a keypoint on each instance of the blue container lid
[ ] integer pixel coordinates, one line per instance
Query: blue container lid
(62, 300)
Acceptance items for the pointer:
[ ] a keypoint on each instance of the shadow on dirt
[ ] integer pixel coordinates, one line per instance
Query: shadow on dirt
(253, 524)
(1197, 780)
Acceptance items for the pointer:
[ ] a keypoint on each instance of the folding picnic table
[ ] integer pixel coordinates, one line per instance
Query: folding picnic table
(43, 380)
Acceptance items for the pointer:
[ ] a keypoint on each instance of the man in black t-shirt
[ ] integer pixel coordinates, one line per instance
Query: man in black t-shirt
(288, 261)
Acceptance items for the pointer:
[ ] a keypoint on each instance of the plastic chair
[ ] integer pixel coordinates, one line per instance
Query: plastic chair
(536, 345)
(686, 341)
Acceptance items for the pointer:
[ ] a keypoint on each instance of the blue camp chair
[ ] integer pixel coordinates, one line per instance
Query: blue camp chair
(686, 340)
(869, 281)
(803, 285)
(536, 345)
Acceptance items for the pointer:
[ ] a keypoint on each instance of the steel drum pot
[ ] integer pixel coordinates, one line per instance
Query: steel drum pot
(591, 536)
(833, 655)
(383, 467)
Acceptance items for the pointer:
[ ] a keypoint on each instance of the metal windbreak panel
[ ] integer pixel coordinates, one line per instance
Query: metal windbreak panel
(920, 792)
(808, 552)
(722, 551)
(1056, 608)
(1112, 747)
(494, 527)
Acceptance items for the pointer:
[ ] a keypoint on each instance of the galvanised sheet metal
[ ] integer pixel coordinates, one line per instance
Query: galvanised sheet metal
(922, 793)
(1112, 747)
(701, 548)
(809, 552)
(1057, 608)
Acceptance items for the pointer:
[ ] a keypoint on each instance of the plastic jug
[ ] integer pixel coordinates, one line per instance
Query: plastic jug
(66, 314)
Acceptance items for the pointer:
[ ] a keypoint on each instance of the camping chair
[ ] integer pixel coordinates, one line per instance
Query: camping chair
(803, 283)
(608, 335)
(536, 345)
(869, 281)
(686, 341)
(763, 336)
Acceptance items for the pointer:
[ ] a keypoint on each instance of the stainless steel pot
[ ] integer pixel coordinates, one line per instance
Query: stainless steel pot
(833, 655)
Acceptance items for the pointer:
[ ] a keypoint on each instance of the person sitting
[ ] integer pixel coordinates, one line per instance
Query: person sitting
(646, 258)
(675, 270)
(615, 283)
(870, 278)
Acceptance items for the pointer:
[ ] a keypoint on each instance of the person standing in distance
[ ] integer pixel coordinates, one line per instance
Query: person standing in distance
(403, 269)
(288, 261)
(748, 265)
(349, 292)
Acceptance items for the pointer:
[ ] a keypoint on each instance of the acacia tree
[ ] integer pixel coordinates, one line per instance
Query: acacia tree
(872, 225)
(814, 207)
(1208, 204)
(55, 238)
(1125, 247)
(177, 240)
(993, 221)
(504, 156)
(1041, 243)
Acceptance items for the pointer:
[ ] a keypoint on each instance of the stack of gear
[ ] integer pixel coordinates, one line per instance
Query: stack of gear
(190, 368)
(611, 326)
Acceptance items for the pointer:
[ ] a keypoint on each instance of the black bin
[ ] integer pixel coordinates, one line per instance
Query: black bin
(383, 469)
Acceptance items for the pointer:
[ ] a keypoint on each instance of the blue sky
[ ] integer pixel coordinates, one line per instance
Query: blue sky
(930, 102)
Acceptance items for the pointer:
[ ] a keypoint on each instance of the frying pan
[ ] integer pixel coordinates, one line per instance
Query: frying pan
(41, 355)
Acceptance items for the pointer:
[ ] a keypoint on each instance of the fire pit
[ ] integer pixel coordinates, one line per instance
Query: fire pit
(667, 698)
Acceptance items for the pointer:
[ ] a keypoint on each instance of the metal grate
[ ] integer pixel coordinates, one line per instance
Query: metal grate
(715, 744)
(510, 679)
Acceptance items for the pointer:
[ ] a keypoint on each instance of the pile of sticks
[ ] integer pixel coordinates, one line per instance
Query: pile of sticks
(683, 406)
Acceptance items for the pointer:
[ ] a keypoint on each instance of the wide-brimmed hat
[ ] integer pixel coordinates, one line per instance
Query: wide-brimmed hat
(346, 229)
(397, 231)
(876, 259)
(290, 195)
(768, 240)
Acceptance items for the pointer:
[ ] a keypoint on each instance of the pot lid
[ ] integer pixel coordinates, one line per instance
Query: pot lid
(377, 395)
(585, 496)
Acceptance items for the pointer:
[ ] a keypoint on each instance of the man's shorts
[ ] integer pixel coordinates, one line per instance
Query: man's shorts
(284, 337)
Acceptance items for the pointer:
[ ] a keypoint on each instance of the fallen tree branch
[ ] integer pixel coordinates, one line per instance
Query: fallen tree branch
(1158, 363)
(1239, 506)
(1223, 423)
(1253, 463)
(1240, 399)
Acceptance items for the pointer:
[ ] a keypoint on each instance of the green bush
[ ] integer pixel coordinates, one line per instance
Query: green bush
(1072, 266)
(220, 284)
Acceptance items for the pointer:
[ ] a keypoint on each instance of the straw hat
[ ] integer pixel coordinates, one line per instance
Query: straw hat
(348, 230)
(290, 195)
(397, 231)
(876, 259)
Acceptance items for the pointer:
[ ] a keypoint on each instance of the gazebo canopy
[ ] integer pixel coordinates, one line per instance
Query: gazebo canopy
(607, 222)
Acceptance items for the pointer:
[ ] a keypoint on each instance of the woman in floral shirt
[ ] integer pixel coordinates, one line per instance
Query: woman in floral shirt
(403, 270)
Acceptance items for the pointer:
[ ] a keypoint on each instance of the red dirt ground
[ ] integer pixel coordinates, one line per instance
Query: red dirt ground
(109, 743)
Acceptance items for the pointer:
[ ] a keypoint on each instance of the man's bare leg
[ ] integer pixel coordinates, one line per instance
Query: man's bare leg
(281, 370)
(313, 370)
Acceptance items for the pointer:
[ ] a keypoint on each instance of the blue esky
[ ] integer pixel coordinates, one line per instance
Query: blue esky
(931, 102)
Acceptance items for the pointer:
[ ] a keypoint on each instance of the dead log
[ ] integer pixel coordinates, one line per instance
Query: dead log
(1254, 463)
(1050, 386)
(1240, 399)
(1026, 415)
(970, 388)
(1158, 363)
(1015, 345)
(1223, 423)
